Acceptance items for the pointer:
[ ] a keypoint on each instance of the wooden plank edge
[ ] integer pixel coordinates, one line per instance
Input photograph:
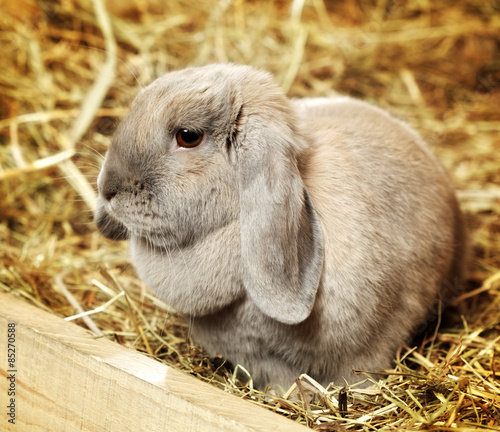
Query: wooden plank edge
(64, 379)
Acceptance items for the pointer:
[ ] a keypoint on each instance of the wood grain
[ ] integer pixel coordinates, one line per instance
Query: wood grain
(68, 381)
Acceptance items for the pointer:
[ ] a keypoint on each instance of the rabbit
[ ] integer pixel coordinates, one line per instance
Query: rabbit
(297, 236)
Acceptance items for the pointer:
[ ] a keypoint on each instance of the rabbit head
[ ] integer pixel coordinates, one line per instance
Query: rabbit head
(209, 150)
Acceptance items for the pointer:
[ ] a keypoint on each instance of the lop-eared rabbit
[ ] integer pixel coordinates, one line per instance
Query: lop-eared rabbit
(299, 236)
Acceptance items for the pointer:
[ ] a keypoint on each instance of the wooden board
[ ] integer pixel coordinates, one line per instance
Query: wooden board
(65, 380)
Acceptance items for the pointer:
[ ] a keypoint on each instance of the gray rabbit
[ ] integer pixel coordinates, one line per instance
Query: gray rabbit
(308, 236)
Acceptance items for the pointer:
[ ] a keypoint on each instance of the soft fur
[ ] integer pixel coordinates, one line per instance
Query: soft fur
(307, 236)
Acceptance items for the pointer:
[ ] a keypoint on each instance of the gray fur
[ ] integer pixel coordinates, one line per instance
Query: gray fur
(307, 236)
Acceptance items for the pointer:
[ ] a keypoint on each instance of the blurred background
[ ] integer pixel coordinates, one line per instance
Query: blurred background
(70, 68)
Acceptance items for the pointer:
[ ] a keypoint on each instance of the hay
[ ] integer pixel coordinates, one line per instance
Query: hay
(433, 63)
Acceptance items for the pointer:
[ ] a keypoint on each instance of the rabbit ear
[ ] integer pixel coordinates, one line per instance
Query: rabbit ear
(281, 240)
(109, 226)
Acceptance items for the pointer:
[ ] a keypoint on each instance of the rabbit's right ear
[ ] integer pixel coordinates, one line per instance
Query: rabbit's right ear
(109, 226)
(281, 239)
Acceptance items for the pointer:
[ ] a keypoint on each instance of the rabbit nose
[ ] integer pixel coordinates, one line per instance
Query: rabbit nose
(109, 194)
(108, 185)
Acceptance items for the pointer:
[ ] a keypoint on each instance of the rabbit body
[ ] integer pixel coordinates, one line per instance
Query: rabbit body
(300, 236)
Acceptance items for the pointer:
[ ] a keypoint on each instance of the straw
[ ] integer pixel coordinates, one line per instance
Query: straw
(69, 73)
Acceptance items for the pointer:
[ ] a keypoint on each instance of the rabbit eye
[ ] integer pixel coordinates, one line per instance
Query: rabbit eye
(187, 138)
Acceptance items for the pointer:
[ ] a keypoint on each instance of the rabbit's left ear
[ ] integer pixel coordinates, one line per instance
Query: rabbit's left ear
(281, 240)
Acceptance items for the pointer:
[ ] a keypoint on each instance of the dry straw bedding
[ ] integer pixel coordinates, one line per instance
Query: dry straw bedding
(69, 69)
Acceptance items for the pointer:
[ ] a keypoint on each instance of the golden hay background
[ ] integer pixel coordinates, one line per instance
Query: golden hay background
(436, 64)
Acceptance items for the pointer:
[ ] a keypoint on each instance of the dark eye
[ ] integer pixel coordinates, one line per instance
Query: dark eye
(187, 138)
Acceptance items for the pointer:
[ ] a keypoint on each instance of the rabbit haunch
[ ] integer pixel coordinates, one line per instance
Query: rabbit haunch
(300, 236)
